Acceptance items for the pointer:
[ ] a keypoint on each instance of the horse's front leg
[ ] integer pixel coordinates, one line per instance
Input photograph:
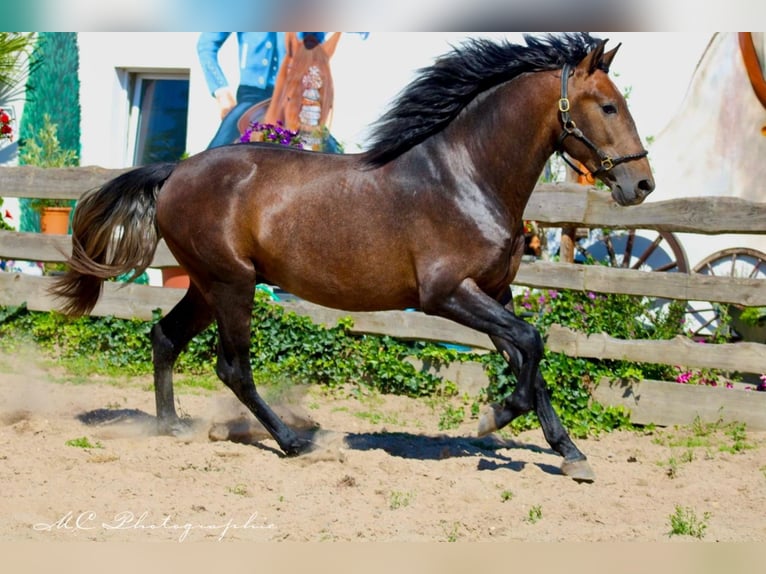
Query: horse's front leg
(521, 346)
(522, 400)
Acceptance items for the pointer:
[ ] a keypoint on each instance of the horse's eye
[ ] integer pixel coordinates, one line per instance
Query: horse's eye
(609, 109)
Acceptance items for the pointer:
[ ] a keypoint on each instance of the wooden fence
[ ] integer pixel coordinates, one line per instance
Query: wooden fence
(564, 204)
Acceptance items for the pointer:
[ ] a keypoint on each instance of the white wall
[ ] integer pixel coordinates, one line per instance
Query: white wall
(367, 75)
(103, 101)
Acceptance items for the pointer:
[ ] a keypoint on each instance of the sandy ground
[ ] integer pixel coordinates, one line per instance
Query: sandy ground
(385, 473)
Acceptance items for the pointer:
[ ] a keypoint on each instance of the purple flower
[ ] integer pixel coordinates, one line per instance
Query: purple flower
(591, 295)
(271, 133)
(527, 293)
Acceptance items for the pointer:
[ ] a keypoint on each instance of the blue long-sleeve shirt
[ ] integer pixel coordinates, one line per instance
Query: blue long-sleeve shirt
(260, 54)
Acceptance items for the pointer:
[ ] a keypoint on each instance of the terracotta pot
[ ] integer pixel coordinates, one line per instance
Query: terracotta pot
(175, 277)
(55, 220)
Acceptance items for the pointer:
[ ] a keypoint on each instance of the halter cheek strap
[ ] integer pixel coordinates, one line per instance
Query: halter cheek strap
(571, 129)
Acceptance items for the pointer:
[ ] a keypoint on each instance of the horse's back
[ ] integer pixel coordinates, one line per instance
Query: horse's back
(315, 224)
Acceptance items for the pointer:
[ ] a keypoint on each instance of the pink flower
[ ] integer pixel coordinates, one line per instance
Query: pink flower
(684, 377)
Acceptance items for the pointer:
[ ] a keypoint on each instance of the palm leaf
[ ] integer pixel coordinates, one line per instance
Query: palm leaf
(15, 48)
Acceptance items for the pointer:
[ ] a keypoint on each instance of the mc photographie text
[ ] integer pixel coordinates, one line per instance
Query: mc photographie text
(89, 521)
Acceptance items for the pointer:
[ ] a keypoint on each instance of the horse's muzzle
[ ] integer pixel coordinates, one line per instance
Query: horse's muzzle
(631, 192)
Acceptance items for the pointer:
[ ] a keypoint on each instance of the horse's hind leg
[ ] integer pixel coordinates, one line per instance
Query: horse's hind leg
(234, 304)
(169, 337)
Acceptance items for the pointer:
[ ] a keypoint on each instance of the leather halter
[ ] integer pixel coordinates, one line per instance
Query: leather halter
(571, 129)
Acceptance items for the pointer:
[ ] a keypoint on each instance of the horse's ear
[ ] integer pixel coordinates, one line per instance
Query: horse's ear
(606, 59)
(329, 45)
(592, 61)
(291, 44)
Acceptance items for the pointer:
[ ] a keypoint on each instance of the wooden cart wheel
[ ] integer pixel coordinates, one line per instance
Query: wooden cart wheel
(703, 318)
(647, 251)
(644, 250)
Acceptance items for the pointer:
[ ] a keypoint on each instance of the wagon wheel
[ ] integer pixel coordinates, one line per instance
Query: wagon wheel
(704, 318)
(644, 250)
(647, 250)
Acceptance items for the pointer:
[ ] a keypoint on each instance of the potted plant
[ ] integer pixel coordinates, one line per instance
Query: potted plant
(44, 150)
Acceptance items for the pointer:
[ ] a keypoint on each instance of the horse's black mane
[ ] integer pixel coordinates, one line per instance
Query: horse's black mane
(440, 91)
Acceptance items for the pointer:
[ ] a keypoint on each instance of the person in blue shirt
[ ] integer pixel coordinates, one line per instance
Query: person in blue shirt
(260, 55)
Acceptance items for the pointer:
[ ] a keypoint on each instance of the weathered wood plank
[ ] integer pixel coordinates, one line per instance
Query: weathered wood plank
(139, 301)
(678, 286)
(741, 357)
(127, 301)
(400, 324)
(667, 404)
(553, 204)
(130, 301)
(542, 274)
(55, 248)
(561, 204)
(59, 183)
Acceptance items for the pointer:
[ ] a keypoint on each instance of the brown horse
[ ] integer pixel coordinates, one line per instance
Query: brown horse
(429, 217)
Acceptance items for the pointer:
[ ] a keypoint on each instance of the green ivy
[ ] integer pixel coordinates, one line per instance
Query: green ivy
(283, 344)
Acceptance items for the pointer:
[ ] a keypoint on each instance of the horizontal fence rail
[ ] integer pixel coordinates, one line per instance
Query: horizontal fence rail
(551, 204)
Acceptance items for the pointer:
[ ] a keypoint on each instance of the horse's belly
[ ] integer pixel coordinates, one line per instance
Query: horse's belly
(350, 287)
(345, 258)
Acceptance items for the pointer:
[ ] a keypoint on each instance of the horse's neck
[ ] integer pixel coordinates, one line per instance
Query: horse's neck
(513, 129)
(714, 145)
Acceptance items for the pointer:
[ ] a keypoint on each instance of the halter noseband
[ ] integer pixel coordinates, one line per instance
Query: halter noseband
(571, 129)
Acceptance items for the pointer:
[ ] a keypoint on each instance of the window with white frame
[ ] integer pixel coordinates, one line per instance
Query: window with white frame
(159, 104)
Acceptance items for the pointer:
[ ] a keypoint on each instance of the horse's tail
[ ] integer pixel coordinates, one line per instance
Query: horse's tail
(114, 231)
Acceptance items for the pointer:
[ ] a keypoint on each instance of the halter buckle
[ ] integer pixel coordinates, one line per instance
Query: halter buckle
(607, 164)
(563, 105)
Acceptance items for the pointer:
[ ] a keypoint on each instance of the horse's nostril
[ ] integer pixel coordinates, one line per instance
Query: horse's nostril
(646, 185)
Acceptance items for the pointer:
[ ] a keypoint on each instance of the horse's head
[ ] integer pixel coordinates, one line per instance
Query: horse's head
(598, 130)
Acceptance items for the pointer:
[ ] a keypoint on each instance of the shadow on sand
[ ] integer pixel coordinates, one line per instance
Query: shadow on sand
(491, 452)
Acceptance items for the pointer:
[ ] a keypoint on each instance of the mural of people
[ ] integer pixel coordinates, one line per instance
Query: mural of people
(304, 92)
(260, 57)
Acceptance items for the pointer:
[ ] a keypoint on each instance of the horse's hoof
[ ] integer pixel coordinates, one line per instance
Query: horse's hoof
(487, 423)
(578, 470)
(299, 447)
(174, 427)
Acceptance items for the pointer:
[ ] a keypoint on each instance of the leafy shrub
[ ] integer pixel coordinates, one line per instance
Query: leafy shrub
(282, 344)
